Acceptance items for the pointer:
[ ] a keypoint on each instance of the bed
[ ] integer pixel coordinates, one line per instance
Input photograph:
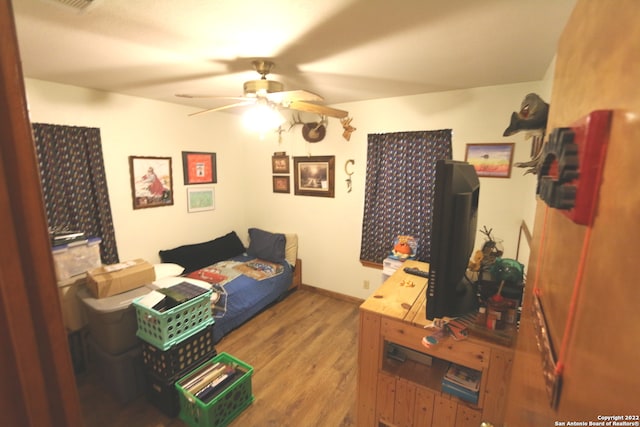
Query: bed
(245, 280)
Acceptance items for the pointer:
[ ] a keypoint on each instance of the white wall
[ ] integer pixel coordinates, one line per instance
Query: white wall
(329, 229)
(136, 126)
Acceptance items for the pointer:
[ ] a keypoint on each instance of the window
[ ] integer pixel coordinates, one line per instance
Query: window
(399, 190)
(74, 184)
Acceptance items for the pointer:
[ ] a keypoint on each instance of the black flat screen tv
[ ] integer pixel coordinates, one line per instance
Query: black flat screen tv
(453, 233)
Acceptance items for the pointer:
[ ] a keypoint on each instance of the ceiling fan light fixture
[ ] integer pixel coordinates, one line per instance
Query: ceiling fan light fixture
(263, 118)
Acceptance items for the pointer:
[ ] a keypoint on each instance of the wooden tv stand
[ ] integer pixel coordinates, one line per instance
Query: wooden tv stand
(393, 393)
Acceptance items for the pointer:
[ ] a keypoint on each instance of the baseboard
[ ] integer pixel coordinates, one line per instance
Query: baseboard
(336, 295)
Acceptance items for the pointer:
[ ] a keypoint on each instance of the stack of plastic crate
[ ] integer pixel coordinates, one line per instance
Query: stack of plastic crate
(176, 338)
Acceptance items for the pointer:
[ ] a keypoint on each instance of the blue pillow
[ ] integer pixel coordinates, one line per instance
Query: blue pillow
(265, 245)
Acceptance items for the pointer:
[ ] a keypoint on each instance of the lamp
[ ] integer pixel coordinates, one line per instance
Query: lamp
(263, 117)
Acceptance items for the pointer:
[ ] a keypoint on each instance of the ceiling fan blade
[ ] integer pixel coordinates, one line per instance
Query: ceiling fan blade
(224, 107)
(186, 95)
(318, 109)
(286, 97)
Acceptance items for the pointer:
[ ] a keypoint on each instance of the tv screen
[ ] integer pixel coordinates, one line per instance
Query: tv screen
(453, 233)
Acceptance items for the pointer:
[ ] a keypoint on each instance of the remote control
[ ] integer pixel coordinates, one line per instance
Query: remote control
(416, 272)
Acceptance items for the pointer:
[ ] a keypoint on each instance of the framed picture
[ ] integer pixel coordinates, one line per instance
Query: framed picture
(200, 199)
(280, 164)
(151, 183)
(281, 184)
(199, 168)
(314, 176)
(491, 160)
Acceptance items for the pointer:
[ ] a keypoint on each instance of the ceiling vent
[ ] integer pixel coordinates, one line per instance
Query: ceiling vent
(79, 5)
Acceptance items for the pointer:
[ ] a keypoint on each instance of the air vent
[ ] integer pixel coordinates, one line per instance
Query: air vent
(80, 5)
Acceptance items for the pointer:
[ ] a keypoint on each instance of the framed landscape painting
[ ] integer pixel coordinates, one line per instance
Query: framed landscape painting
(491, 160)
(314, 176)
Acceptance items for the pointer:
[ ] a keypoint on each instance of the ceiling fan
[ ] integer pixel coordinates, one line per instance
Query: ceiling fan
(272, 93)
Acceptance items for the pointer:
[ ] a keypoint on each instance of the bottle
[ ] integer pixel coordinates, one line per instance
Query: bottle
(481, 318)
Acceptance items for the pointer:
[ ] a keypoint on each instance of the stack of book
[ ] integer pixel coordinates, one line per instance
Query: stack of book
(462, 382)
(212, 380)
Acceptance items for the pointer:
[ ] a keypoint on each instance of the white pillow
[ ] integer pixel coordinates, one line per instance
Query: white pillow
(167, 270)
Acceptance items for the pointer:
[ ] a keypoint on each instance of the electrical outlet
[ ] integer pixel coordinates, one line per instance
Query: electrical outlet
(365, 284)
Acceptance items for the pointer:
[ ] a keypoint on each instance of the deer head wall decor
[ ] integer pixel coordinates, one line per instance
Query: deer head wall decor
(311, 131)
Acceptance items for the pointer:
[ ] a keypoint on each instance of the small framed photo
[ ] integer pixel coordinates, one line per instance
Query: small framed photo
(199, 168)
(281, 184)
(200, 199)
(314, 176)
(280, 164)
(491, 160)
(151, 182)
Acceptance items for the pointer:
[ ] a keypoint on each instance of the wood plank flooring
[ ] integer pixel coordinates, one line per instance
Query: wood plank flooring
(304, 354)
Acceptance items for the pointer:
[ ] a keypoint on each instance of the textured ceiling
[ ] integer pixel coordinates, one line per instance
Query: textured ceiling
(344, 50)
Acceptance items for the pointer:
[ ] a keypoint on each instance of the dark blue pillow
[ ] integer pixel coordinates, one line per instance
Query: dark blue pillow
(198, 255)
(265, 245)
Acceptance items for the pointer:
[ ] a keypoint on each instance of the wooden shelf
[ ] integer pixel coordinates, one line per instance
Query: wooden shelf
(421, 374)
(409, 392)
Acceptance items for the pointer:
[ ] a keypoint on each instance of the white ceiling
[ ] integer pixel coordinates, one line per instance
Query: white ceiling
(344, 50)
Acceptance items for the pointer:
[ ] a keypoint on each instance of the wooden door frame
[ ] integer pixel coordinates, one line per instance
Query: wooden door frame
(38, 387)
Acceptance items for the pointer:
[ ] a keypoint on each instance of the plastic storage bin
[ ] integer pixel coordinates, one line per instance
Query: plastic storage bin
(164, 329)
(76, 257)
(122, 374)
(112, 320)
(226, 406)
(181, 357)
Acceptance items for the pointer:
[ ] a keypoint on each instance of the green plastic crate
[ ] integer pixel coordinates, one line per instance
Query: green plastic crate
(226, 406)
(164, 329)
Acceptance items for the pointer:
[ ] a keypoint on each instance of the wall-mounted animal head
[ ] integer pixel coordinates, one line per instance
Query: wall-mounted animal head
(532, 116)
(311, 131)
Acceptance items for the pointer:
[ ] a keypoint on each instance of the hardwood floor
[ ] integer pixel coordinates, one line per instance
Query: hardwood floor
(304, 354)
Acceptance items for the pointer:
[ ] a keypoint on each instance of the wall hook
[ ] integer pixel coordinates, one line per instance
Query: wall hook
(346, 170)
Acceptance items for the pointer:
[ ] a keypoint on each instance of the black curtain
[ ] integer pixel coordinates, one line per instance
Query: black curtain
(74, 183)
(399, 190)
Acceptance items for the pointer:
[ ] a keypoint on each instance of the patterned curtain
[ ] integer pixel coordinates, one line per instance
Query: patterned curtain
(399, 190)
(74, 183)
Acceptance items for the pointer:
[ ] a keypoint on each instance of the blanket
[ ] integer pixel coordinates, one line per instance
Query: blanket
(223, 272)
(259, 269)
(219, 273)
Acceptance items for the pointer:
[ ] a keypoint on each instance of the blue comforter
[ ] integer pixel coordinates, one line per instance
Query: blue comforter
(246, 297)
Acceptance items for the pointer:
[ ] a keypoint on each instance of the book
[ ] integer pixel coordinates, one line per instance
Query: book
(463, 376)
(459, 391)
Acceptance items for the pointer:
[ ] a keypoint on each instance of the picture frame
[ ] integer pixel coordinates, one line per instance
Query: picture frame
(281, 184)
(314, 176)
(491, 160)
(199, 167)
(151, 181)
(280, 164)
(200, 199)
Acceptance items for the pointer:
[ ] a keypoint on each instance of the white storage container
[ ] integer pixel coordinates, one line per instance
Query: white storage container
(76, 257)
(73, 314)
(112, 320)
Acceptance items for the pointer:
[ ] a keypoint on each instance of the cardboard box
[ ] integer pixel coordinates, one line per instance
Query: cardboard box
(117, 278)
(73, 315)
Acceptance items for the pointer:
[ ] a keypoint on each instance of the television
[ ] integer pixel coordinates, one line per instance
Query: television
(453, 232)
